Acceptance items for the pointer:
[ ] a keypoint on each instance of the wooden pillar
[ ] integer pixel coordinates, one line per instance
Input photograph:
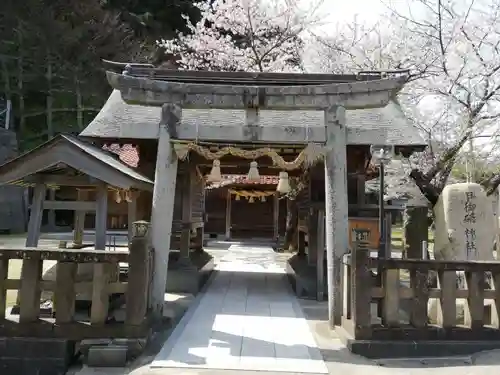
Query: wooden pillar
(4, 270)
(202, 229)
(102, 271)
(36, 214)
(79, 221)
(312, 233)
(320, 259)
(34, 224)
(101, 216)
(163, 203)
(388, 234)
(228, 216)
(276, 215)
(51, 214)
(336, 212)
(187, 205)
(301, 242)
(360, 189)
(132, 213)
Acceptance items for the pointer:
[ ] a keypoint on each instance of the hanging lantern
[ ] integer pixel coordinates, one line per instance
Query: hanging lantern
(253, 173)
(118, 196)
(250, 200)
(262, 199)
(283, 184)
(215, 175)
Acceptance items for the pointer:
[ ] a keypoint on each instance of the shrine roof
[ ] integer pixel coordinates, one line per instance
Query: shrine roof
(68, 152)
(119, 120)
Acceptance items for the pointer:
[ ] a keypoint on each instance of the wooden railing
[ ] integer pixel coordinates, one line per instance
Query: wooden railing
(65, 288)
(405, 294)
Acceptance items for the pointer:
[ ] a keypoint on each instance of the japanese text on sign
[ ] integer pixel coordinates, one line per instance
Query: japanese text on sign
(470, 218)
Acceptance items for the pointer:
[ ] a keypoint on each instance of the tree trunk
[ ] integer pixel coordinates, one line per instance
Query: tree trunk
(292, 221)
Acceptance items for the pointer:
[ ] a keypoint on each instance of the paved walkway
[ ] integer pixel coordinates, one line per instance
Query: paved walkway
(248, 319)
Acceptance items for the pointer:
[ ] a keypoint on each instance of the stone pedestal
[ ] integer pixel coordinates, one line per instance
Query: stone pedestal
(188, 275)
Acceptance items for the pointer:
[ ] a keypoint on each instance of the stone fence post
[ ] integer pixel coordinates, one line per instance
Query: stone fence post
(416, 229)
(139, 274)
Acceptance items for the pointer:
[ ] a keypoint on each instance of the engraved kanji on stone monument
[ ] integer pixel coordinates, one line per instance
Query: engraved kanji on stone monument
(470, 208)
(470, 218)
(465, 225)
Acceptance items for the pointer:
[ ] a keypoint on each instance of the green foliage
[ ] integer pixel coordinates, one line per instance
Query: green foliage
(51, 53)
(154, 19)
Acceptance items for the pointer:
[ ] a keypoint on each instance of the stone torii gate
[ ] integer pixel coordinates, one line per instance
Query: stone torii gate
(253, 92)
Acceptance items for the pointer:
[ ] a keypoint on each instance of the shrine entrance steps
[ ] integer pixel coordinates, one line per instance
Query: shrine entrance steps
(247, 319)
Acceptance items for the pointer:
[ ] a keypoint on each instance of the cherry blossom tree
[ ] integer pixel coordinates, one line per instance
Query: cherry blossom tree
(248, 35)
(452, 51)
(244, 35)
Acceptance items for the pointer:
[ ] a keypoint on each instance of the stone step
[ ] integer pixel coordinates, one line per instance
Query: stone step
(35, 356)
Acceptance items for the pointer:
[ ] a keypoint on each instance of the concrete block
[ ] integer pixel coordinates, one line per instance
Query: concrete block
(107, 356)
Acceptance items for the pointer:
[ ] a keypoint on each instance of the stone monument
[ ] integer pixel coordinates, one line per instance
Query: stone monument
(465, 224)
(465, 230)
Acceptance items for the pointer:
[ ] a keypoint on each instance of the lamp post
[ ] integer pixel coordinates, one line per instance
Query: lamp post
(381, 156)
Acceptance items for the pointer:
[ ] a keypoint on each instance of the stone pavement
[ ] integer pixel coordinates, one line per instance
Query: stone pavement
(247, 319)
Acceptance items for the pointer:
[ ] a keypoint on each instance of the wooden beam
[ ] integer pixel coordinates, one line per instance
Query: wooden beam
(62, 180)
(252, 133)
(70, 205)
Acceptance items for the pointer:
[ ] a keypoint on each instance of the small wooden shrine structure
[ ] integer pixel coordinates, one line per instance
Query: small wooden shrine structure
(69, 162)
